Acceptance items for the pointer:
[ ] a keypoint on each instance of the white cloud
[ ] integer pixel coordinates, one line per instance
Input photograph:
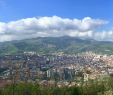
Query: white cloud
(104, 35)
(53, 26)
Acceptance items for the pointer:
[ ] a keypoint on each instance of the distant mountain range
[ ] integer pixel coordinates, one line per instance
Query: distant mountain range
(45, 45)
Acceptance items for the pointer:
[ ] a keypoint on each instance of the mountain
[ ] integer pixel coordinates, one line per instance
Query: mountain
(44, 45)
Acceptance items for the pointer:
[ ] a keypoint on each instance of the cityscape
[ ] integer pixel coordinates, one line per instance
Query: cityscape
(49, 69)
(56, 47)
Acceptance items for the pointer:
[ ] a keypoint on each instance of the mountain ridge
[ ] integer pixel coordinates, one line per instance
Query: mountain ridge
(45, 45)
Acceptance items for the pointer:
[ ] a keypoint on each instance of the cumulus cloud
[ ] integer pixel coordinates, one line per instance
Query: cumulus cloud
(53, 27)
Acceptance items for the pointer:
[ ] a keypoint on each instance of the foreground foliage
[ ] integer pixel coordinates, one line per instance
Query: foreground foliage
(92, 87)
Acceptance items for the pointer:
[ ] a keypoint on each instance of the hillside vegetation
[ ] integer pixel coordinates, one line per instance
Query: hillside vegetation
(44, 45)
(92, 87)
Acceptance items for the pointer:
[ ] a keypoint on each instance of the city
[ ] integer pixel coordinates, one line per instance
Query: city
(56, 47)
(49, 69)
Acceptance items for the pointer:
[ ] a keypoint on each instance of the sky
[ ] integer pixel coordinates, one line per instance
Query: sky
(23, 19)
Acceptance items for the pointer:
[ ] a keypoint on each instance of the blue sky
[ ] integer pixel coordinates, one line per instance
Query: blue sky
(23, 19)
(18, 9)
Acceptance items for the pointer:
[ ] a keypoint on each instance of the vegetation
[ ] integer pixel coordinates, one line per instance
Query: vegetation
(92, 87)
(68, 45)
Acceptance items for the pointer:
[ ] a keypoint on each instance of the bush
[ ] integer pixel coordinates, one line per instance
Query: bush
(91, 87)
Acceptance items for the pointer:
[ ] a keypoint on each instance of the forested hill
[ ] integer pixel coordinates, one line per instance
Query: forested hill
(44, 45)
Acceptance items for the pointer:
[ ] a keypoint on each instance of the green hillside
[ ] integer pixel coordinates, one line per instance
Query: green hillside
(44, 45)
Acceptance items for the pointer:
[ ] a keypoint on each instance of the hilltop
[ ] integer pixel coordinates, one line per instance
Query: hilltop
(45, 45)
